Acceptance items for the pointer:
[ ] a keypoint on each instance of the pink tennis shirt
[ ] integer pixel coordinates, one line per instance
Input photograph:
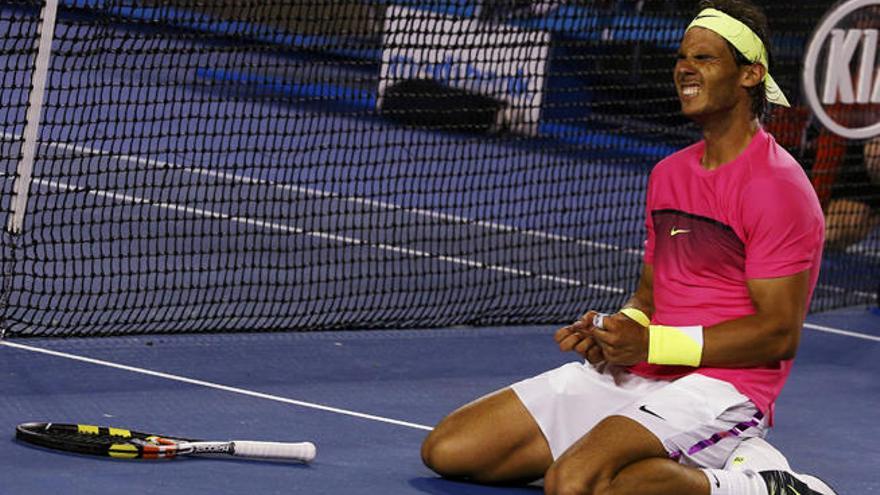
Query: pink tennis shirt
(709, 231)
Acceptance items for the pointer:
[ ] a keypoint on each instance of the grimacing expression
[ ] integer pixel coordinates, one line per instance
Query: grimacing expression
(707, 77)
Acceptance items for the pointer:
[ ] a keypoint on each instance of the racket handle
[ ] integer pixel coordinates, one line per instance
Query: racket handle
(302, 451)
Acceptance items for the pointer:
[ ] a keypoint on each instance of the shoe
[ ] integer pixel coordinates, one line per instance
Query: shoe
(786, 483)
(757, 455)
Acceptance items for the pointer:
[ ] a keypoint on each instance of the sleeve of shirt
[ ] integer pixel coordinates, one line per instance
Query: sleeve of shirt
(649, 225)
(784, 228)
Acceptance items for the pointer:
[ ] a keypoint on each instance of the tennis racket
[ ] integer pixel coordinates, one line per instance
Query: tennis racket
(126, 444)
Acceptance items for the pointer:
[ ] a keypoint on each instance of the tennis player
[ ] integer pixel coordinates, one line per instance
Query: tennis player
(675, 382)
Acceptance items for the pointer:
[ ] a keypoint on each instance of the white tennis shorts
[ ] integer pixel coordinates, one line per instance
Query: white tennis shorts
(700, 420)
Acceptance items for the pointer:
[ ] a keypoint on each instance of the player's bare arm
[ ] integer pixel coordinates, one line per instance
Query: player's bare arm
(769, 335)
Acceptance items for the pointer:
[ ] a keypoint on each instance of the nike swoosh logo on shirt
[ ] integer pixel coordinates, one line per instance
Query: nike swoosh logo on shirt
(674, 232)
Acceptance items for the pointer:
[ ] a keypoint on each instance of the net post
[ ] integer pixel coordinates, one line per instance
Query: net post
(21, 188)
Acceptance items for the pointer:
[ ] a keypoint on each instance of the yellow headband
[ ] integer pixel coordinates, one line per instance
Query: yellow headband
(746, 41)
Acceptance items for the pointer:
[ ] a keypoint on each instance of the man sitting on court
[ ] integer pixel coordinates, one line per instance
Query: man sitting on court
(677, 381)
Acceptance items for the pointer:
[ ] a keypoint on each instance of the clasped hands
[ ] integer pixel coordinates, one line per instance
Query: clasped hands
(622, 341)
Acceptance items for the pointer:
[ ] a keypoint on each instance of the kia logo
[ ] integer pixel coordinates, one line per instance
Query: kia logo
(843, 56)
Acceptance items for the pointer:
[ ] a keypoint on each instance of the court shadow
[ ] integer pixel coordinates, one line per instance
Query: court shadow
(441, 486)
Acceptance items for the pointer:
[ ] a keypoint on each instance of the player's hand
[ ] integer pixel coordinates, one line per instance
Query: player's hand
(623, 341)
(578, 337)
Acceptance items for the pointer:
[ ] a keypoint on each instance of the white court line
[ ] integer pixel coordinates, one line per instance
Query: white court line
(216, 386)
(310, 405)
(842, 290)
(862, 250)
(73, 148)
(324, 235)
(837, 331)
(308, 191)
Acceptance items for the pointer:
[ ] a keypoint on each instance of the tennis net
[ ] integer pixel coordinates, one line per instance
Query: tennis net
(189, 166)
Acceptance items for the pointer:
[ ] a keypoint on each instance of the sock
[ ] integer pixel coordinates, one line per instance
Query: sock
(723, 482)
(755, 454)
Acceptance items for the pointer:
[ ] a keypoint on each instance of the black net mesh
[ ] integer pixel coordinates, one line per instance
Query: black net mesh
(266, 165)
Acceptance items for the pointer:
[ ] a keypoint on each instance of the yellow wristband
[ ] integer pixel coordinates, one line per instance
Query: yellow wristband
(675, 345)
(637, 315)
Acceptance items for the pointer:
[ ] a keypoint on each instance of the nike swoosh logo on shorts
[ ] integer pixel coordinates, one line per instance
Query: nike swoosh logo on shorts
(652, 413)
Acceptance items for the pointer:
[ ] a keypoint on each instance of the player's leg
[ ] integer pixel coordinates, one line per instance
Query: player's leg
(514, 435)
(656, 444)
(621, 456)
(491, 440)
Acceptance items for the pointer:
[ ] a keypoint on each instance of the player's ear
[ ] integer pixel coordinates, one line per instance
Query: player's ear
(752, 75)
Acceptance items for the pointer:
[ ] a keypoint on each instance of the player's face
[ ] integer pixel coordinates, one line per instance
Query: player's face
(707, 76)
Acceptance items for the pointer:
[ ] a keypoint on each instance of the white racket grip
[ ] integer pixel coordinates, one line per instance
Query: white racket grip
(302, 451)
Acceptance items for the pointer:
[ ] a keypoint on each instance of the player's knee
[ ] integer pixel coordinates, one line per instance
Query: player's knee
(428, 450)
(442, 453)
(565, 479)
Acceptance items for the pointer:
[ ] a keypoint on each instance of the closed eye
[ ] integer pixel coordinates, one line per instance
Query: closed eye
(702, 57)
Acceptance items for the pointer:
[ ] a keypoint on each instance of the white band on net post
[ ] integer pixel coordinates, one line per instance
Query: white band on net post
(21, 189)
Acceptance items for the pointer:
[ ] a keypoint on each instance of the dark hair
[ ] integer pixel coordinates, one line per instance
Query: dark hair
(752, 16)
